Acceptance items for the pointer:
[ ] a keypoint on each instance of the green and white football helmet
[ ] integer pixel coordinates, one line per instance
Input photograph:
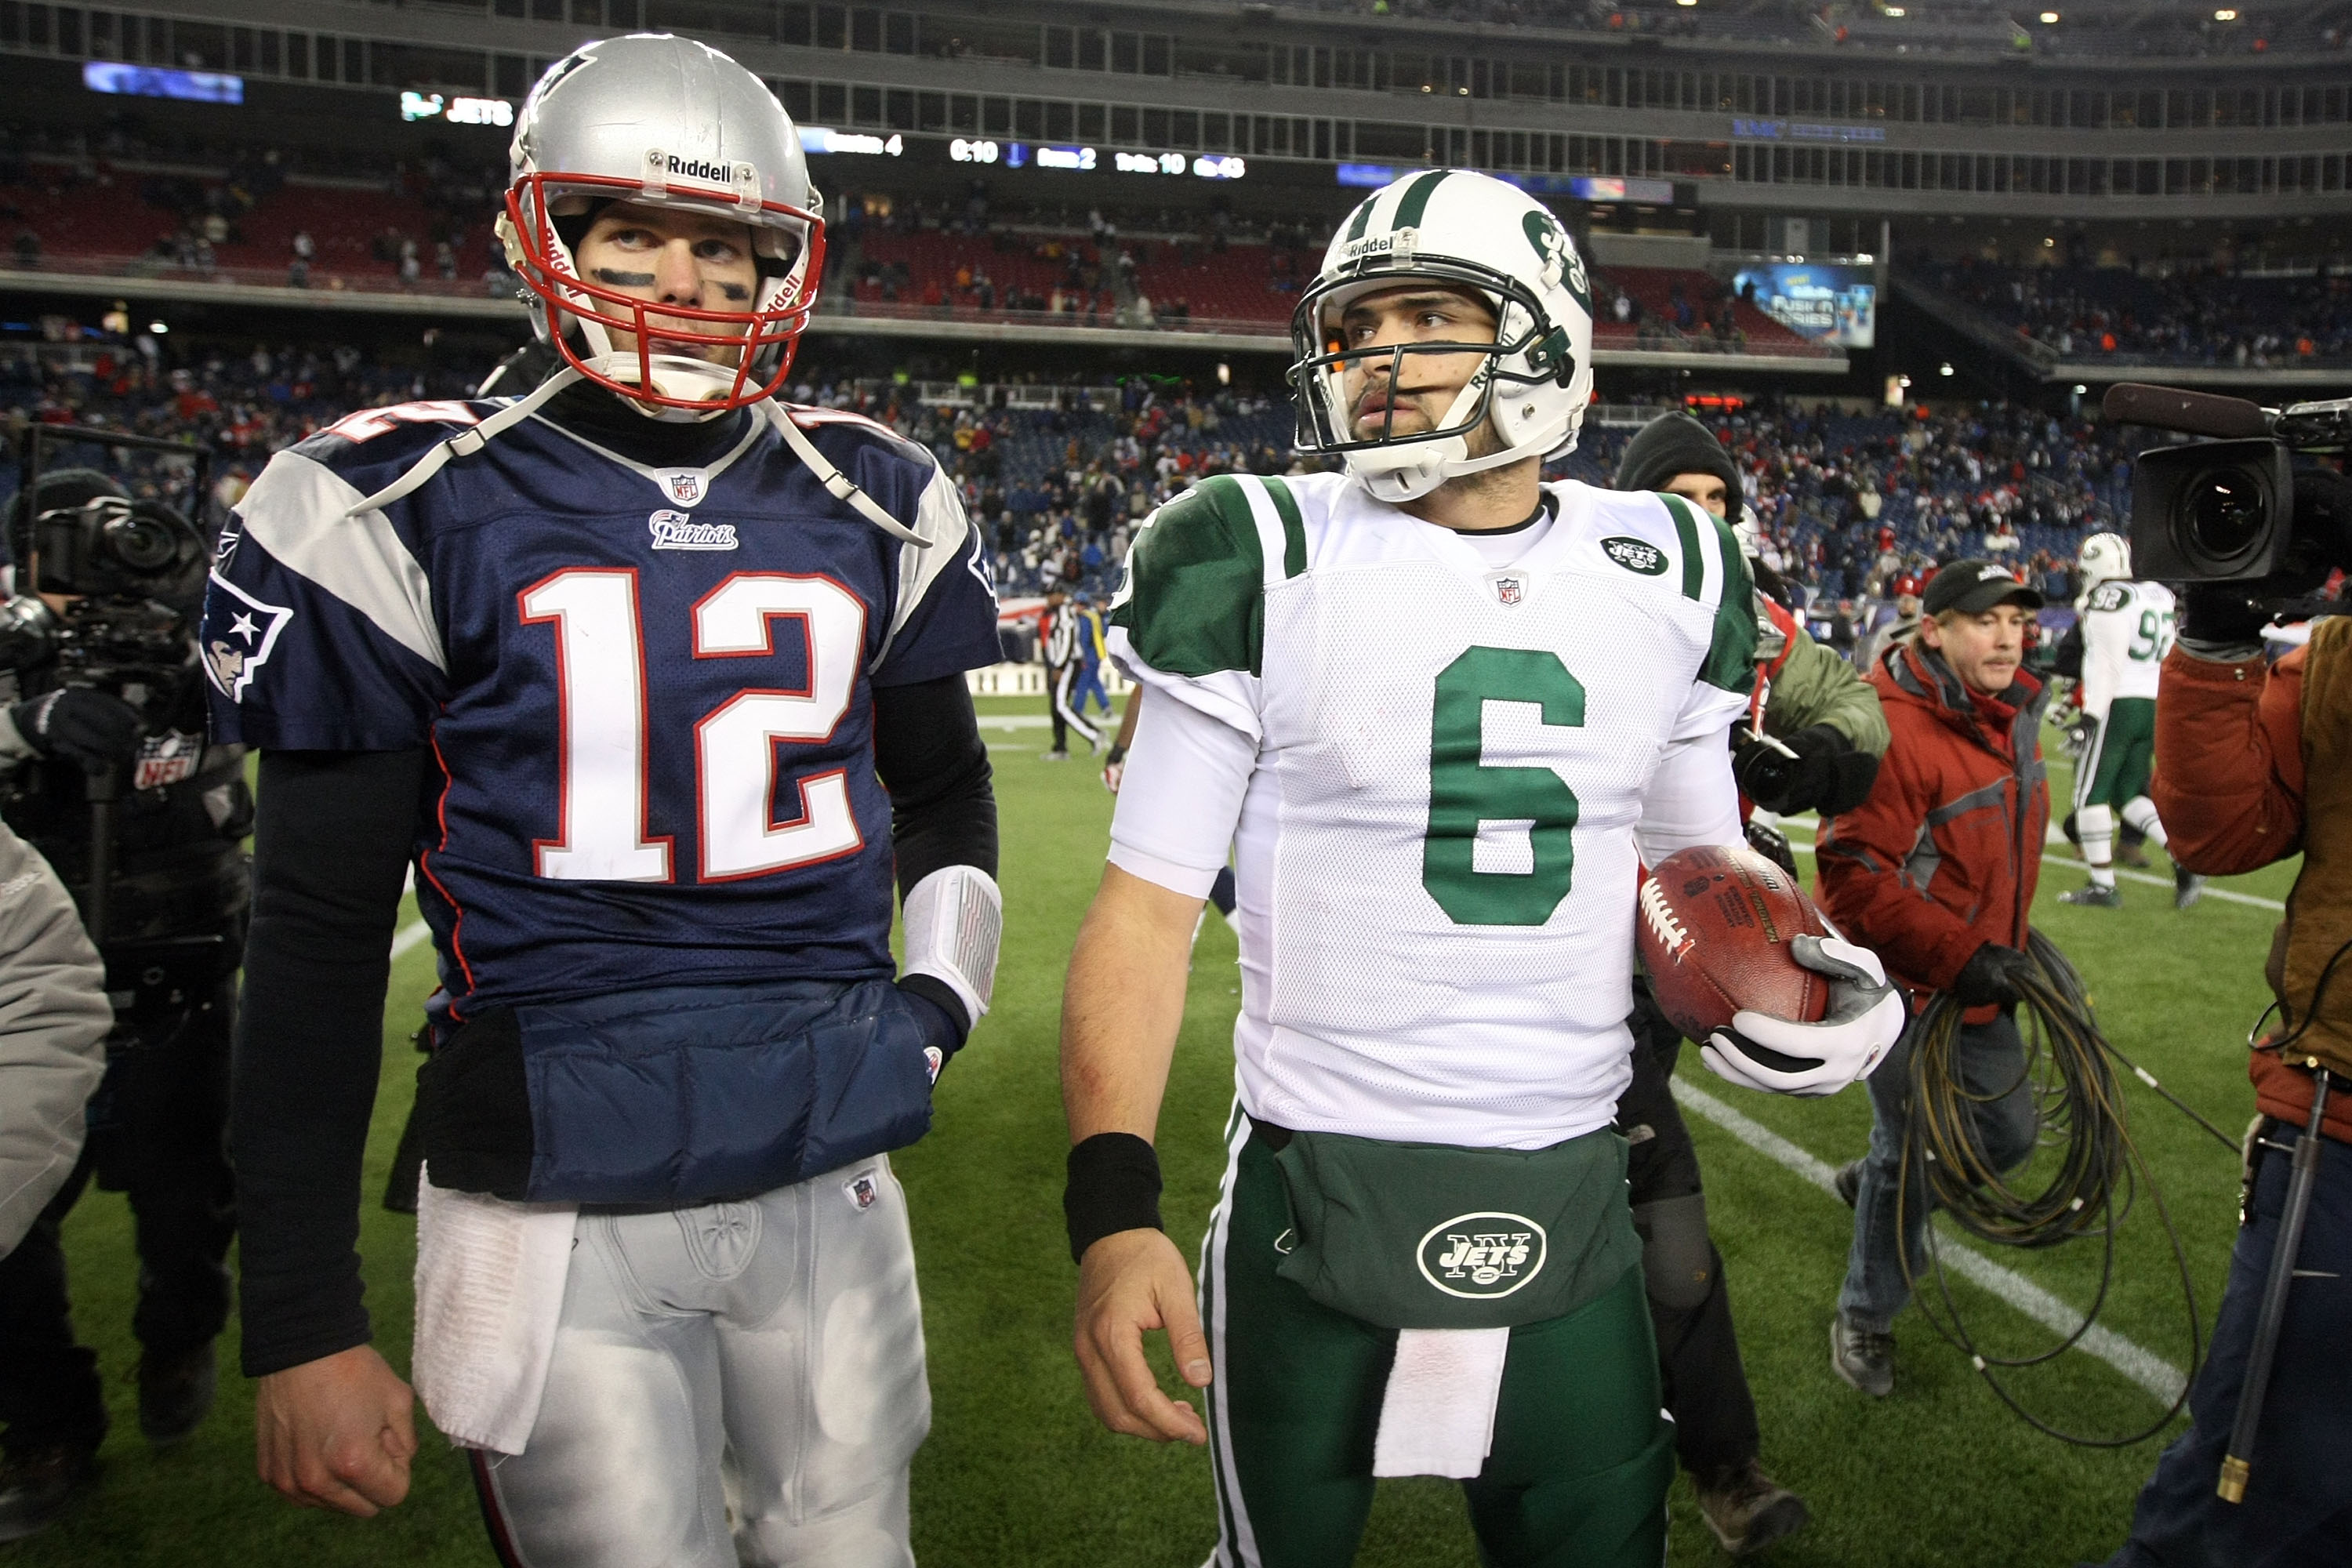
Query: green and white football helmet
(1467, 230)
(2106, 558)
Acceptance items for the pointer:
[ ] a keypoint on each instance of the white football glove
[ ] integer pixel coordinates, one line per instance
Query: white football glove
(1866, 1018)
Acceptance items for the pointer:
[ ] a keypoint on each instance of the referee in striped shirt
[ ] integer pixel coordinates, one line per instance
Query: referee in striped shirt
(1063, 627)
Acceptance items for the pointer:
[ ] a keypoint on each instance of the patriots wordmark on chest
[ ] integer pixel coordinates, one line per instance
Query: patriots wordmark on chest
(675, 531)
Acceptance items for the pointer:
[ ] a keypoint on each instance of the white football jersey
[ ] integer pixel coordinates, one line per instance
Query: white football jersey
(1436, 856)
(2127, 628)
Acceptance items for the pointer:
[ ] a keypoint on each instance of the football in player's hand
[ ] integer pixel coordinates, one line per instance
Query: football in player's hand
(1713, 930)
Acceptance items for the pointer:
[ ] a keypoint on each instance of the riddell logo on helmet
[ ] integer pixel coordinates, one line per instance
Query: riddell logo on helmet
(698, 168)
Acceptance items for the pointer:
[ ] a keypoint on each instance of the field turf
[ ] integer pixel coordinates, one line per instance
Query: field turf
(1017, 1474)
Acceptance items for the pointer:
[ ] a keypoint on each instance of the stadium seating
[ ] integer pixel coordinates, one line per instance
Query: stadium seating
(2192, 315)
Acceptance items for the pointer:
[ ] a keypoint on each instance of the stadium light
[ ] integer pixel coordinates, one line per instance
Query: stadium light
(2080, 389)
(2225, 16)
(1895, 11)
(158, 328)
(1944, 368)
(2049, 19)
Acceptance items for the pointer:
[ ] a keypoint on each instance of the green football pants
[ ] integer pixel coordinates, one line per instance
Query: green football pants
(1581, 1457)
(2122, 755)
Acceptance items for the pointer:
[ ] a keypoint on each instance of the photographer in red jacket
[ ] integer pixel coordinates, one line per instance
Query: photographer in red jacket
(1936, 871)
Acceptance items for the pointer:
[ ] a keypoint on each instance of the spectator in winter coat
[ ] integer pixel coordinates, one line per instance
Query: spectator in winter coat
(1936, 872)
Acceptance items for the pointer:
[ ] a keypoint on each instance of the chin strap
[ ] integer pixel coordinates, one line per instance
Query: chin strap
(837, 482)
(466, 443)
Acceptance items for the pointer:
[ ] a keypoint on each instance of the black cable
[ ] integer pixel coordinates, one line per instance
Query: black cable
(2080, 1110)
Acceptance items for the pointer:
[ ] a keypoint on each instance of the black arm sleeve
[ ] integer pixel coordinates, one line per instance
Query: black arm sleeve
(928, 753)
(2069, 660)
(330, 848)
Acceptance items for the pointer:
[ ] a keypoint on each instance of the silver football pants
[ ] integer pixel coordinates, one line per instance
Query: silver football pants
(738, 1382)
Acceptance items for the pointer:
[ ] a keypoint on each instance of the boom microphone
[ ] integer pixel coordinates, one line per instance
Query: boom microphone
(2191, 413)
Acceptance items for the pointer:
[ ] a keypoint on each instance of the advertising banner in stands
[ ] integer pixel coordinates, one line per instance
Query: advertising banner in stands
(1828, 304)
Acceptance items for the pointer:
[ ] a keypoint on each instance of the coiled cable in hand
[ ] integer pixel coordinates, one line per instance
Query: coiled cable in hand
(2069, 1068)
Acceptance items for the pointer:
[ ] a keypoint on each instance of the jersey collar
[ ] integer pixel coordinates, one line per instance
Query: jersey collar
(681, 487)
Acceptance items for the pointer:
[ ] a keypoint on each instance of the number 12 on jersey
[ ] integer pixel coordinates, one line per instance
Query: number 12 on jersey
(603, 833)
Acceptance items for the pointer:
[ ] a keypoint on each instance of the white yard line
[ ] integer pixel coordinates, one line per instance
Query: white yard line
(2151, 1372)
(409, 936)
(2226, 895)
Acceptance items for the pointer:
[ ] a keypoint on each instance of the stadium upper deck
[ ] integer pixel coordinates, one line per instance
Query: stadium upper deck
(1947, 108)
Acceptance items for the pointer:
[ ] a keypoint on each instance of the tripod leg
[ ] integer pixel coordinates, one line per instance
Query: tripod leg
(2236, 1464)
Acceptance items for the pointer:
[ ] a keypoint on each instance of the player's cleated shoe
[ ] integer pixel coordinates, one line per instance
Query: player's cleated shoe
(175, 1394)
(39, 1484)
(1848, 1182)
(1056, 755)
(2187, 887)
(2094, 896)
(1746, 1508)
(1863, 1357)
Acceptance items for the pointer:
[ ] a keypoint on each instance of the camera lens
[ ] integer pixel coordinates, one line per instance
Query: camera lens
(2225, 511)
(142, 544)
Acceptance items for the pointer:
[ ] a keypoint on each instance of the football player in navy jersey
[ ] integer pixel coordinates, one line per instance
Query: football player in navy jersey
(657, 684)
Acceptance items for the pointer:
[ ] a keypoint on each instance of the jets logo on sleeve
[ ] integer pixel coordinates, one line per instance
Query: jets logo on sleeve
(239, 636)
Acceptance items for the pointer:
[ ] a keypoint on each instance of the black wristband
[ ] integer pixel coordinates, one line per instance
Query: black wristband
(1117, 755)
(1114, 1185)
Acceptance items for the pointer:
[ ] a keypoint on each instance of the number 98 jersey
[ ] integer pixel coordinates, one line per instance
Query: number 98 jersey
(648, 692)
(1436, 853)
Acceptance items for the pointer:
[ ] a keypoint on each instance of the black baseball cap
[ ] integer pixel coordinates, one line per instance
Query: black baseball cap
(1972, 587)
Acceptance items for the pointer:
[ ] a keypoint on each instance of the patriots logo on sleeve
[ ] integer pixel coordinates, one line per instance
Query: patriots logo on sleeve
(240, 634)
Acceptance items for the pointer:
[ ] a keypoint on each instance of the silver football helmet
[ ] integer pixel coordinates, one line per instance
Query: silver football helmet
(657, 121)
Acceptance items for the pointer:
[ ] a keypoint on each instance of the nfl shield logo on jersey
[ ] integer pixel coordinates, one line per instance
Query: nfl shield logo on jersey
(684, 485)
(1483, 1256)
(166, 759)
(1510, 590)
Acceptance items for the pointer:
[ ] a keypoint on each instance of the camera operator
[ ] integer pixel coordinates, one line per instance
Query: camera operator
(1937, 870)
(106, 773)
(2255, 765)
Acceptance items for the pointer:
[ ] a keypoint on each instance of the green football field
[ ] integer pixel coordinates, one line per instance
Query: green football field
(1017, 1473)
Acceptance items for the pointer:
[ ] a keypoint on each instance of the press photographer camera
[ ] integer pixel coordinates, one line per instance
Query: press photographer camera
(104, 769)
(2248, 530)
(2254, 765)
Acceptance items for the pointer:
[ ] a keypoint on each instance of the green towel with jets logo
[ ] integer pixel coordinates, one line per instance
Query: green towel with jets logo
(1428, 1236)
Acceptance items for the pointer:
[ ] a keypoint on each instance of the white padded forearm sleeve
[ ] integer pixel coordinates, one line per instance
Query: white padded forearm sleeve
(955, 920)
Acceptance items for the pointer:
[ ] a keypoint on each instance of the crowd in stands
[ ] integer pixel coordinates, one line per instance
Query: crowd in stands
(1845, 501)
(2189, 314)
(251, 213)
(426, 227)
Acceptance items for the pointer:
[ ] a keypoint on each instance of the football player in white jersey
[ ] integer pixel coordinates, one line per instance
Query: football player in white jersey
(2127, 629)
(1442, 712)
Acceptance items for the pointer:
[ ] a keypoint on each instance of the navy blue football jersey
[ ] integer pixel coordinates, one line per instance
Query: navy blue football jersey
(648, 691)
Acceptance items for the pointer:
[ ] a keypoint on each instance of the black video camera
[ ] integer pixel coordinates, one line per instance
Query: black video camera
(2238, 509)
(130, 574)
